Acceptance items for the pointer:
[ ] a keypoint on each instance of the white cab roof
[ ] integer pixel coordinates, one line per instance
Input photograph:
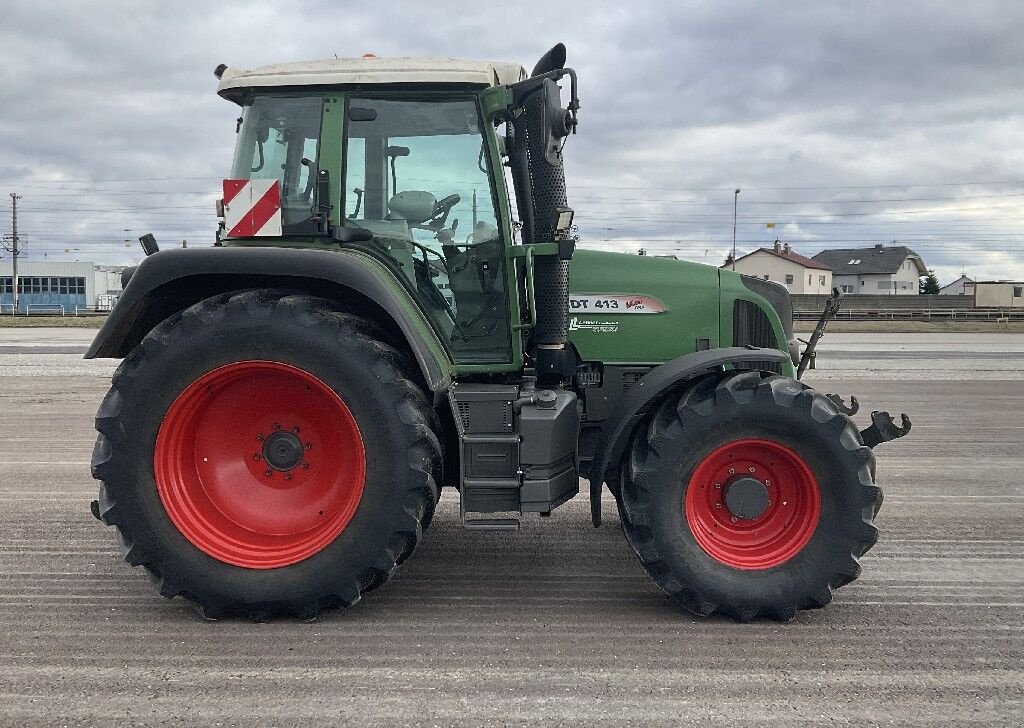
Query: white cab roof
(373, 70)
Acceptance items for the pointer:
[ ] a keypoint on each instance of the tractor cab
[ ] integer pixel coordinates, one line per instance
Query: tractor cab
(398, 157)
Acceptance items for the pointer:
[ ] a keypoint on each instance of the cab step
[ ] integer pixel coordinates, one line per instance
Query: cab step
(491, 524)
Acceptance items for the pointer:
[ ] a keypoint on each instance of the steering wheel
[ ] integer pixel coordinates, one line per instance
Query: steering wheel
(443, 207)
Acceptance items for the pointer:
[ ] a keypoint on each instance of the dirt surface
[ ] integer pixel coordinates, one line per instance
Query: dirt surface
(61, 322)
(554, 625)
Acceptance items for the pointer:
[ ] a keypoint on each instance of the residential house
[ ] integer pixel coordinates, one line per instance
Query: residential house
(798, 273)
(962, 286)
(882, 269)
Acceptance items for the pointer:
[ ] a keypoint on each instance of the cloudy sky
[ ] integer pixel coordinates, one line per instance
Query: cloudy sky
(844, 124)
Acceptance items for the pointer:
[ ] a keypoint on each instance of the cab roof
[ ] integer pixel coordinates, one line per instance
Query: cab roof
(367, 71)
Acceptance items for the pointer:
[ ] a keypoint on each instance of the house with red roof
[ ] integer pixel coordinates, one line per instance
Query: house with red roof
(780, 264)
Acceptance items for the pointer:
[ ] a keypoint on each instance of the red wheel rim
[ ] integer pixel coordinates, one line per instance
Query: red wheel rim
(259, 464)
(770, 538)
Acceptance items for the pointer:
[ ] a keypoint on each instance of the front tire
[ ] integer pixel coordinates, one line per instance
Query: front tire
(264, 454)
(749, 495)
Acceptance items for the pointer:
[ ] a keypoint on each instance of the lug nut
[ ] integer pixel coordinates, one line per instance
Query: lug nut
(305, 465)
(309, 446)
(287, 476)
(733, 519)
(718, 486)
(295, 430)
(268, 472)
(256, 456)
(732, 471)
(259, 438)
(718, 505)
(277, 425)
(752, 469)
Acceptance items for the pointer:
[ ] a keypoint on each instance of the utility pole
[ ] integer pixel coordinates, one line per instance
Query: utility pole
(14, 249)
(735, 202)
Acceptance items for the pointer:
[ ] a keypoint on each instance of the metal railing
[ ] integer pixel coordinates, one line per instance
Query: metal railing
(918, 314)
(45, 308)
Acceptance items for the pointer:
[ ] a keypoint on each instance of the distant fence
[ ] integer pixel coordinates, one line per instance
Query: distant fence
(50, 308)
(919, 314)
(870, 307)
(870, 302)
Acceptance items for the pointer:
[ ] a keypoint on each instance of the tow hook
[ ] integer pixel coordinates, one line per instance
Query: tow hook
(94, 508)
(884, 429)
(837, 400)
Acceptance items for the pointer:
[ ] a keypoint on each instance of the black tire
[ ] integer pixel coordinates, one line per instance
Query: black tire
(725, 408)
(398, 427)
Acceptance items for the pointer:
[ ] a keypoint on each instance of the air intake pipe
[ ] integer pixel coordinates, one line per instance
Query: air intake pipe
(538, 128)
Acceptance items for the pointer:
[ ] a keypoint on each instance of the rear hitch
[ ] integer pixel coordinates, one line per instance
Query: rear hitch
(884, 429)
(837, 400)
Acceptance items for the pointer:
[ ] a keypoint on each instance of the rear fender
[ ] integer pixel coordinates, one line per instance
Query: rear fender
(173, 280)
(649, 393)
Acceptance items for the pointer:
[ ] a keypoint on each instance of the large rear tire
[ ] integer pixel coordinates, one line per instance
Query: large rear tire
(749, 495)
(264, 454)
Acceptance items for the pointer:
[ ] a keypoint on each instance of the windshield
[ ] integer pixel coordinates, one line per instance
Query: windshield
(417, 174)
(277, 134)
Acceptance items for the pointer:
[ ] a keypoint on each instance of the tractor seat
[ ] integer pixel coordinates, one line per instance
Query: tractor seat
(413, 206)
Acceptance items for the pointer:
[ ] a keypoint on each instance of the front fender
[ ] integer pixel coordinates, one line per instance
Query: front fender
(650, 391)
(170, 281)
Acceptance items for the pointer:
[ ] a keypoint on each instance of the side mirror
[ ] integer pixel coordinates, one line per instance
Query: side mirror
(361, 113)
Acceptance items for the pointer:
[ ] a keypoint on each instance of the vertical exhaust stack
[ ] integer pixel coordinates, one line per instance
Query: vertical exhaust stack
(539, 127)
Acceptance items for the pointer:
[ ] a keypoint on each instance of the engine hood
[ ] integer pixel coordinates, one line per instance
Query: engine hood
(633, 309)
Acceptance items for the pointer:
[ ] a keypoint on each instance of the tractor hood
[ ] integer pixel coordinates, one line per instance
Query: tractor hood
(634, 309)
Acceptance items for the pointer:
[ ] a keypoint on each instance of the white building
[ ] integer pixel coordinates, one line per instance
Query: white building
(879, 270)
(999, 294)
(798, 273)
(58, 286)
(962, 286)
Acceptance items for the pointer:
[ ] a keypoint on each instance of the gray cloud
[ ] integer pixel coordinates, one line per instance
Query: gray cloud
(905, 101)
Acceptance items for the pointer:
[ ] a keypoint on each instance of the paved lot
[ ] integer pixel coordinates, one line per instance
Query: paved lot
(557, 625)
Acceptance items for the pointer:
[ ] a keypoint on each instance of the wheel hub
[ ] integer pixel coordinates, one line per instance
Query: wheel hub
(283, 450)
(259, 499)
(752, 503)
(747, 498)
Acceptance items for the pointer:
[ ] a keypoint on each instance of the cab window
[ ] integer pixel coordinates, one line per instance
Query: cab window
(277, 134)
(417, 175)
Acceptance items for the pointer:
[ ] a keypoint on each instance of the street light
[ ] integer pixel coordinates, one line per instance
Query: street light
(735, 202)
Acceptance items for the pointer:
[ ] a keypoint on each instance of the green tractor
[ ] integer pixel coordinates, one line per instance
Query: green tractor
(377, 321)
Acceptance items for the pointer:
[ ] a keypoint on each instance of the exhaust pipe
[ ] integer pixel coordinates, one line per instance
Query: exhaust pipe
(539, 176)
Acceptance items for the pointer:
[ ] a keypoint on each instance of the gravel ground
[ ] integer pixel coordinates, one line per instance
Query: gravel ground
(555, 625)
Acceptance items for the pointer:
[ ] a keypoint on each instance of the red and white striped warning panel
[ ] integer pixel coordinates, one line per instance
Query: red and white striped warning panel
(252, 208)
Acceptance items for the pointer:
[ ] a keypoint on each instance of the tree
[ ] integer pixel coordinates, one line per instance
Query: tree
(929, 283)
(728, 261)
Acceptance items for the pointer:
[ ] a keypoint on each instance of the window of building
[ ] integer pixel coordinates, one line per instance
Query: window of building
(5, 286)
(884, 285)
(33, 284)
(766, 277)
(809, 278)
(821, 280)
(854, 261)
(789, 279)
(1018, 291)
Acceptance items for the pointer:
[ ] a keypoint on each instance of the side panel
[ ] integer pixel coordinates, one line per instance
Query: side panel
(621, 328)
(170, 281)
